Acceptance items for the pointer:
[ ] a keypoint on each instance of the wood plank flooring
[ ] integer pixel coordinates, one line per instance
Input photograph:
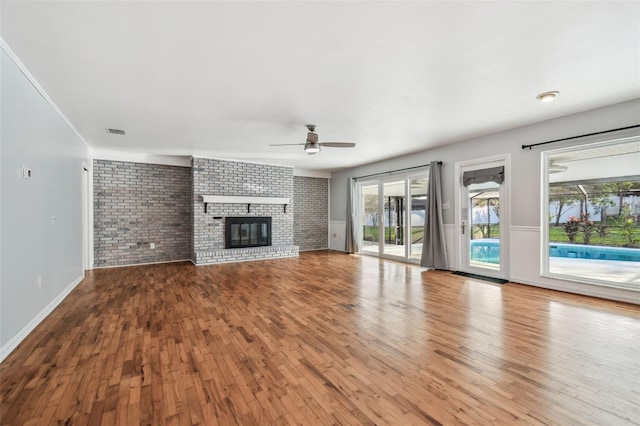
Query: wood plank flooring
(325, 338)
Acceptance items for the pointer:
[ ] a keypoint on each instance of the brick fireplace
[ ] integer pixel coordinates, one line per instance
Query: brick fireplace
(240, 190)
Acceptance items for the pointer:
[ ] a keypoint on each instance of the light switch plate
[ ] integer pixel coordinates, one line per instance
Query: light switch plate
(26, 173)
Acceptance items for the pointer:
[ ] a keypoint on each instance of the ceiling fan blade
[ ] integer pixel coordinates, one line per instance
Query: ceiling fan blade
(338, 144)
(285, 144)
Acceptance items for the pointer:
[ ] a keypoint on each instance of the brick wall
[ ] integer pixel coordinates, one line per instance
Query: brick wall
(221, 177)
(138, 204)
(311, 215)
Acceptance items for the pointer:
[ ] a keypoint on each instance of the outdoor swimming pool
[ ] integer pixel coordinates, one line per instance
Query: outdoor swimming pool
(488, 250)
(580, 251)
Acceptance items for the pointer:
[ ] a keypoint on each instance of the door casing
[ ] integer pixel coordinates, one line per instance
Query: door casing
(505, 214)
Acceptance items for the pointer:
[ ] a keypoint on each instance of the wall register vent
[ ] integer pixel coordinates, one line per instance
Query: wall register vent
(116, 132)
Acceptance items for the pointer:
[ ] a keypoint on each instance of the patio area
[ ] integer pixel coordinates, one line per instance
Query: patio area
(595, 269)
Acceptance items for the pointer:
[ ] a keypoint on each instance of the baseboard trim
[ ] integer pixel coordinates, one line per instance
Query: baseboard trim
(22, 334)
(141, 264)
(583, 291)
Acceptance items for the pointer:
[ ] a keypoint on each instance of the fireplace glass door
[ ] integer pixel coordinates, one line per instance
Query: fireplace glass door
(248, 232)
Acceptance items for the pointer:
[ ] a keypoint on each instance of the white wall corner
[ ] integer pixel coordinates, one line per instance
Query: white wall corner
(23, 69)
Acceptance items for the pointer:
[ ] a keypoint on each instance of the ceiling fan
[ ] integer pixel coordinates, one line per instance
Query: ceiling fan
(312, 146)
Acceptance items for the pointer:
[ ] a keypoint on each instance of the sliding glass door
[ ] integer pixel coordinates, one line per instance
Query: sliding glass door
(392, 214)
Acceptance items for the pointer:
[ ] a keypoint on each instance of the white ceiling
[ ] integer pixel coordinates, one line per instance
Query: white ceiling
(226, 79)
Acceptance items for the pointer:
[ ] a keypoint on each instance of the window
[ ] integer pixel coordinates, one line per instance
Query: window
(591, 213)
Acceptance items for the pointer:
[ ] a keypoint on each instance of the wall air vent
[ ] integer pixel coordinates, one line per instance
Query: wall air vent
(116, 132)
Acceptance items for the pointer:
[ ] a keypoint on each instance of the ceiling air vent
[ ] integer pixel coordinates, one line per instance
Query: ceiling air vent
(116, 132)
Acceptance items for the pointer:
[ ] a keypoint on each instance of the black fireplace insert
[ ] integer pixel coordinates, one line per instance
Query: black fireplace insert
(247, 232)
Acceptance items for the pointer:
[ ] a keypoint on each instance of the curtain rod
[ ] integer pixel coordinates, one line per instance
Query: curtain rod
(581, 136)
(393, 171)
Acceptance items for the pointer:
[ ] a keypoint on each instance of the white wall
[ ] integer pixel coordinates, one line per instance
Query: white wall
(40, 218)
(525, 181)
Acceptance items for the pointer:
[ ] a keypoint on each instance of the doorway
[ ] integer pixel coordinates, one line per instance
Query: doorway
(483, 217)
(391, 216)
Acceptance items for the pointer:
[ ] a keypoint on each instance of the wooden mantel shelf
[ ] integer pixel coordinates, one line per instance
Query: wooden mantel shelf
(233, 199)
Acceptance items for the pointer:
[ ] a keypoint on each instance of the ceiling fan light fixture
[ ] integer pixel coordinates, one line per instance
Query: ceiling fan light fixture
(312, 147)
(547, 96)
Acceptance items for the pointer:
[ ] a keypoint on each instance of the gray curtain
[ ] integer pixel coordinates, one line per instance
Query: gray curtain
(434, 250)
(350, 234)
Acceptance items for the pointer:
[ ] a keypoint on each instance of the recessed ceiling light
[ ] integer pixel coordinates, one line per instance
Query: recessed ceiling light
(547, 96)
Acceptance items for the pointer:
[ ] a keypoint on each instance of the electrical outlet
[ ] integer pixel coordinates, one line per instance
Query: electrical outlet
(446, 205)
(152, 246)
(39, 280)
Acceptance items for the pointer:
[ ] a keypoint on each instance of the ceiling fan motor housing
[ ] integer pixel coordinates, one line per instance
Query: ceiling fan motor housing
(312, 137)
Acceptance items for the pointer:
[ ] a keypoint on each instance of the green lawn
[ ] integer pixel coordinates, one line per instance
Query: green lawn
(613, 238)
(371, 233)
(495, 232)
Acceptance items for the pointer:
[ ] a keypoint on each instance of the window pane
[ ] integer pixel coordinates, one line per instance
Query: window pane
(593, 224)
(394, 214)
(370, 219)
(418, 215)
(484, 204)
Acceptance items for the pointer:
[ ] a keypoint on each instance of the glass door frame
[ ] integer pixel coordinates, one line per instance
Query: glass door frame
(462, 238)
(380, 181)
(381, 205)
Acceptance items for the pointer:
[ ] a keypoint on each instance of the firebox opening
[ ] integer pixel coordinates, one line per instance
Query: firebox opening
(247, 232)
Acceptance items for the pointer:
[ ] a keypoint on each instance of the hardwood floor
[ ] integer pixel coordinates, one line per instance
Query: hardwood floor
(325, 338)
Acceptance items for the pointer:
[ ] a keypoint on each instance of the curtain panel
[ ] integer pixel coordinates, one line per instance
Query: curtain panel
(350, 234)
(434, 250)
